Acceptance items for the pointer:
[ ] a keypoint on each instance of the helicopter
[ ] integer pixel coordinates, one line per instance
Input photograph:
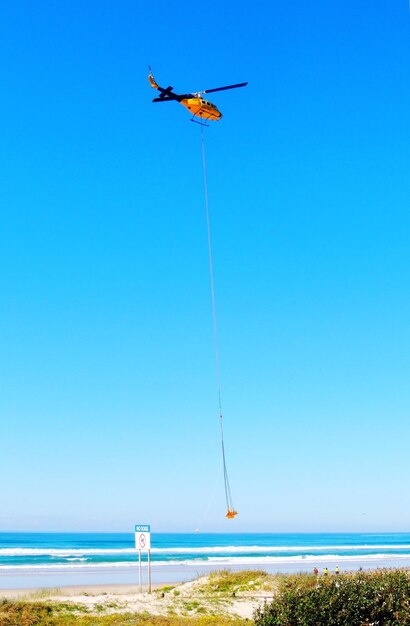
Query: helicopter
(194, 102)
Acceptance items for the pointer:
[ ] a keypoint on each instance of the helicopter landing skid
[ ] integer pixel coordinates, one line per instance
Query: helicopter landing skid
(197, 122)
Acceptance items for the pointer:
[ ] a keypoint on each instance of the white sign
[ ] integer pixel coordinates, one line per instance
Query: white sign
(142, 537)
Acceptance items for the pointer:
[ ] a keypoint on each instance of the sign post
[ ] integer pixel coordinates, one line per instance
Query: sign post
(149, 571)
(143, 542)
(139, 570)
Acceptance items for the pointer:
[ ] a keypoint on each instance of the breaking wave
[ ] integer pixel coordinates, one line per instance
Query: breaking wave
(80, 552)
(215, 561)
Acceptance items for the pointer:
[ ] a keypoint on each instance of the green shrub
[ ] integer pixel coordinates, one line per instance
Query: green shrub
(24, 614)
(379, 598)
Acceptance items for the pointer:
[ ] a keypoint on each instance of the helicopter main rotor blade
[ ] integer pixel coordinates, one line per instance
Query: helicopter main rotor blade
(167, 99)
(223, 88)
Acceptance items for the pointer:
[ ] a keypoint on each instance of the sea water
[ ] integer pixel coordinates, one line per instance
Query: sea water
(56, 559)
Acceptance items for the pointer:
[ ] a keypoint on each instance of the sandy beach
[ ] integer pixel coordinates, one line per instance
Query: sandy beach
(203, 596)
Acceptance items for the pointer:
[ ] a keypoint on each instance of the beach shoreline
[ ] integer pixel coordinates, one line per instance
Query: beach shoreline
(36, 561)
(75, 590)
(117, 577)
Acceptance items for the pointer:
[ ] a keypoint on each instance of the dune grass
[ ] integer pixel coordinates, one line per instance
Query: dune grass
(228, 582)
(23, 613)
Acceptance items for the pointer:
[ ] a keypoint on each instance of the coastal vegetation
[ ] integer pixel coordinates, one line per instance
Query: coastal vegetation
(25, 613)
(380, 598)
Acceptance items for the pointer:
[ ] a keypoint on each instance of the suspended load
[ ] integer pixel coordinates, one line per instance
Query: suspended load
(231, 509)
(231, 514)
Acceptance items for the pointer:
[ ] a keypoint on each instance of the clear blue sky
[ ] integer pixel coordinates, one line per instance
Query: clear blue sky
(108, 405)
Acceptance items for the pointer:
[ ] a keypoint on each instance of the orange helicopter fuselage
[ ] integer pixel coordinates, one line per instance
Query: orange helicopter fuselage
(202, 108)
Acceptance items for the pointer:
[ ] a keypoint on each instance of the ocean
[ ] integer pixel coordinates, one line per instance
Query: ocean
(33, 560)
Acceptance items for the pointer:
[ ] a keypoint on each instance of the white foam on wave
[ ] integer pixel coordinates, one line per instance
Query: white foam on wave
(273, 549)
(64, 553)
(67, 566)
(217, 561)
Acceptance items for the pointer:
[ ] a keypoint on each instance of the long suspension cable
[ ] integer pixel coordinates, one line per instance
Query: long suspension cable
(210, 501)
(228, 495)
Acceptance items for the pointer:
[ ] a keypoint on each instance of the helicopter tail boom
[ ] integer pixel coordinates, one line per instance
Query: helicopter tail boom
(166, 94)
(152, 81)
